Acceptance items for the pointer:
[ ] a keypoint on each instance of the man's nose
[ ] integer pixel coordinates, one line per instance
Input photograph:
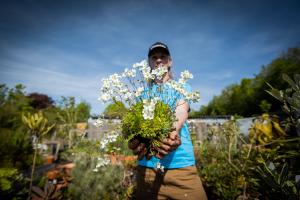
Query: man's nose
(158, 60)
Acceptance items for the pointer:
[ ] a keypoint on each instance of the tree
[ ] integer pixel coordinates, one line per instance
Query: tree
(115, 110)
(69, 114)
(16, 149)
(40, 101)
(83, 111)
(249, 97)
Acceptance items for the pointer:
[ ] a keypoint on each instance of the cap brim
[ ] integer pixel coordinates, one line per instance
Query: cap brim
(158, 49)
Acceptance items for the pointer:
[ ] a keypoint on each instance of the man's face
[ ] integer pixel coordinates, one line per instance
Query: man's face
(159, 59)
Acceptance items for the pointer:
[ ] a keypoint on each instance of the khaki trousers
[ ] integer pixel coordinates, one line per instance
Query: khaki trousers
(175, 184)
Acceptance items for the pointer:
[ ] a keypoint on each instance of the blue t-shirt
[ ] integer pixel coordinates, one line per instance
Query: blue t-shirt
(183, 156)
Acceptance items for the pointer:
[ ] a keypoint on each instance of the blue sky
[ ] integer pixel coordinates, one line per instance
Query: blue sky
(65, 48)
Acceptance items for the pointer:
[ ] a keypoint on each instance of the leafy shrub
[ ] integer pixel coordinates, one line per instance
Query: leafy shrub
(12, 184)
(102, 182)
(224, 163)
(268, 167)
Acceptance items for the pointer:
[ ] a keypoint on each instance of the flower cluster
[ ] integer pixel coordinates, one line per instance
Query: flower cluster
(188, 96)
(109, 138)
(99, 122)
(151, 115)
(101, 162)
(149, 107)
(185, 76)
(129, 86)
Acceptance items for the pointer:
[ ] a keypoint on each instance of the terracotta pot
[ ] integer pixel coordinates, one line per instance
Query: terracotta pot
(49, 159)
(130, 158)
(53, 174)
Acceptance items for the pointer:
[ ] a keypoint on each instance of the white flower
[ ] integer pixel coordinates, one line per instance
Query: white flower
(129, 73)
(115, 80)
(139, 91)
(193, 96)
(148, 108)
(155, 100)
(105, 97)
(105, 84)
(128, 96)
(141, 64)
(123, 90)
(101, 163)
(99, 122)
(160, 167)
(184, 76)
(146, 71)
(112, 137)
(178, 87)
(182, 81)
(159, 72)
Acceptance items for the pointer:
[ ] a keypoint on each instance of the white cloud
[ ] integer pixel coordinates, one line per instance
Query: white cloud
(263, 43)
(42, 73)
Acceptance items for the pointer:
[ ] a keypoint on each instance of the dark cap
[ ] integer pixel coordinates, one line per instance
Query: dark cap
(160, 46)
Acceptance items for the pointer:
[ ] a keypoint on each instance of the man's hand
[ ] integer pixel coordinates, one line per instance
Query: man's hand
(167, 145)
(138, 148)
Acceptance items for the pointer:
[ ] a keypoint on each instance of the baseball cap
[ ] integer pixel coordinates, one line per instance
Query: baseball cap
(158, 45)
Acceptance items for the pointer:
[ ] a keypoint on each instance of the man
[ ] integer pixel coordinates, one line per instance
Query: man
(179, 179)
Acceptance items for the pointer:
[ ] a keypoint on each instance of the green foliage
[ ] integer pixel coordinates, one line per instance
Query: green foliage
(290, 98)
(50, 113)
(194, 114)
(17, 152)
(268, 167)
(83, 111)
(7, 175)
(68, 113)
(37, 124)
(265, 106)
(115, 110)
(120, 146)
(16, 149)
(13, 103)
(249, 97)
(265, 129)
(87, 146)
(99, 180)
(134, 125)
(224, 164)
(105, 183)
(12, 184)
(277, 167)
(38, 127)
(279, 161)
(233, 100)
(231, 168)
(49, 193)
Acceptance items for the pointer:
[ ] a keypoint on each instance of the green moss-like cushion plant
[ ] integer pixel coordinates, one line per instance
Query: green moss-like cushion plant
(149, 131)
